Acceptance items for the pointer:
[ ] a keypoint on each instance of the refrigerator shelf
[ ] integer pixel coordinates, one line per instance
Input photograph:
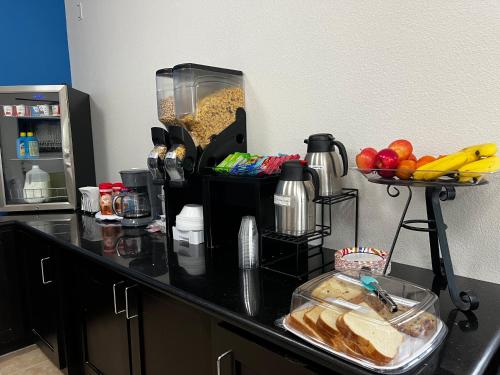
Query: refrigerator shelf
(38, 195)
(35, 117)
(37, 159)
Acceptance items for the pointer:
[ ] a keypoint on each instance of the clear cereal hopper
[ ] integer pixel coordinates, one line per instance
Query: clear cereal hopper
(382, 323)
(206, 99)
(202, 99)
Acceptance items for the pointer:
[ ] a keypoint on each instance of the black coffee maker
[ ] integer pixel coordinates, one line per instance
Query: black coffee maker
(202, 110)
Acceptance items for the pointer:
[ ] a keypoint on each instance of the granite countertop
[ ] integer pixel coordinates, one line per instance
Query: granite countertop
(255, 299)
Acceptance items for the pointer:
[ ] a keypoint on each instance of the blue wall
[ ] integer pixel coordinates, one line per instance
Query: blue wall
(34, 43)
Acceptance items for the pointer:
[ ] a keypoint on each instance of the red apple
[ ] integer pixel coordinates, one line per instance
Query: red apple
(365, 160)
(387, 159)
(403, 148)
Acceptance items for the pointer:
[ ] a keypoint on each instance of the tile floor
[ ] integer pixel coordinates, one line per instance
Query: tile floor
(27, 361)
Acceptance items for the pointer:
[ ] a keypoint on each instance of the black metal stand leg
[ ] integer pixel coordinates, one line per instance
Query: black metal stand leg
(464, 300)
(356, 203)
(433, 235)
(401, 221)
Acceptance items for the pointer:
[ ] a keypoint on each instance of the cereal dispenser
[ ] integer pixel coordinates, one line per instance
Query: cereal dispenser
(202, 109)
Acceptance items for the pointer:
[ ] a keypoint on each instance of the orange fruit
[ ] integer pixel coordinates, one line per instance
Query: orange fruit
(406, 169)
(425, 160)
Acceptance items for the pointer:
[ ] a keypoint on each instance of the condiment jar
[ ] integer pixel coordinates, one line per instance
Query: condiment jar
(106, 199)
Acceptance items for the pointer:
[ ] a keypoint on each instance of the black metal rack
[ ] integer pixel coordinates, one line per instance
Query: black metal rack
(442, 266)
(293, 257)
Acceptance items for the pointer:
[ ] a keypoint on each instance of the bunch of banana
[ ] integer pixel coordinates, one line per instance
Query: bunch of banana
(479, 158)
(480, 151)
(469, 172)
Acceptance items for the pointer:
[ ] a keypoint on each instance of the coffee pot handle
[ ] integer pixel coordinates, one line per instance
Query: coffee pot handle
(343, 155)
(315, 179)
(115, 198)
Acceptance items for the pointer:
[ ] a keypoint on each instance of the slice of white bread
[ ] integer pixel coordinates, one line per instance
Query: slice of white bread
(305, 321)
(336, 288)
(374, 337)
(327, 321)
(296, 320)
(311, 319)
(326, 326)
(311, 316)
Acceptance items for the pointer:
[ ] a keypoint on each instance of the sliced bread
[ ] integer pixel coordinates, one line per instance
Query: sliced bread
(327, 327)
(336, 288)
(311, 316)
(374, 337)
(327, 321)
(296, 320)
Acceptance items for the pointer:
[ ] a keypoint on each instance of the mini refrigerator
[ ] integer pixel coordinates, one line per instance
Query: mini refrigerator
(46, 150)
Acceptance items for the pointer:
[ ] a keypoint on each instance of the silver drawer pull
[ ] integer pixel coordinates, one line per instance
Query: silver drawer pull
(219, 359)
(114, 298)
(44, 282)
(126, 303)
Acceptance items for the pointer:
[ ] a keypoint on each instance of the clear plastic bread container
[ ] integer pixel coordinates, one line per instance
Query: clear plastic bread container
(165, 96)
(206, 99)
(382, 323)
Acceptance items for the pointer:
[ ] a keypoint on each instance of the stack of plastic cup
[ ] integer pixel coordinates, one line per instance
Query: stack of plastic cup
(248, 246)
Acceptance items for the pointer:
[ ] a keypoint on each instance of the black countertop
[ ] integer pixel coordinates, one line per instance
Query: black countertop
(254, 300)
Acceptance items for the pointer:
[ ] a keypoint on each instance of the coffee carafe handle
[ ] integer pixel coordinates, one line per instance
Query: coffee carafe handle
(343, 155)
(315, 179)
(113, 205)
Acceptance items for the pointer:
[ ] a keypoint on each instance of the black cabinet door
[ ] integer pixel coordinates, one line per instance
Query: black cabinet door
(12, 322)
(175, 337)
(42, 295)
(105, 326)
(237, 353)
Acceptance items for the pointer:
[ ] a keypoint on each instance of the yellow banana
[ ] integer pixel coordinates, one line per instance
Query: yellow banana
(480, 151)
(474, 170)
(440, 167)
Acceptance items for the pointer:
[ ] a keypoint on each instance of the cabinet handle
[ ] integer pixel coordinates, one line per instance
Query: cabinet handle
(44, 282)
(219, 359)
(114, 298)
(126, 303)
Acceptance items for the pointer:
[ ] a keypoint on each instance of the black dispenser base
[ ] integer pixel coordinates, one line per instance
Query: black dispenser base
(196, 164)
(226, 199)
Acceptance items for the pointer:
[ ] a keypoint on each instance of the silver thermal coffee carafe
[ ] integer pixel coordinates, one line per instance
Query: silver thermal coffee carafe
(295, 209)
(322, 157)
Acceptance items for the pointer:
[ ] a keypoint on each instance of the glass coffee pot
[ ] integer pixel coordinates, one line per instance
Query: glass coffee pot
(132, 205)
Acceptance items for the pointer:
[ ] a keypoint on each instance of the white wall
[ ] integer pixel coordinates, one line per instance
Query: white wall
(366, 71)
